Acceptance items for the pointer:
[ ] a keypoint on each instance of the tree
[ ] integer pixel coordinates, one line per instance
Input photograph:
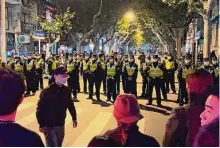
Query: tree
(202, 7)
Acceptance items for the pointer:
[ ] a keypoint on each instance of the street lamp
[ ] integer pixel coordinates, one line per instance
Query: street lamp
(130, 15)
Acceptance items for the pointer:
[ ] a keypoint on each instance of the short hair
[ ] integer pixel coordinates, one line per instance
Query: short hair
(213, 90)
(197, 84)
(103, 141)
(12, 88)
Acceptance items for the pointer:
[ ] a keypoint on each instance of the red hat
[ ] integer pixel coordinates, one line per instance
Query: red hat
(126, 109)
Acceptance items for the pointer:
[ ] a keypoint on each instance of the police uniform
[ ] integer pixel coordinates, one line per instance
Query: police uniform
(131, 73)
(215, 66)
(145, 78)
(19, 67)
(30, 74)
(95, 72)
(111, 80)
(73, 72)
(39, 70)
(53, 63)
(208, 67)
(10, 64)
(183, 71)
(171, 67)
(79, 62)
(123, 76)
(156, 75)
(103, 72)
(84, 72)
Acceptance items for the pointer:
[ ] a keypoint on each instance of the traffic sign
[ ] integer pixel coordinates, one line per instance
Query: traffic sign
(39, 35)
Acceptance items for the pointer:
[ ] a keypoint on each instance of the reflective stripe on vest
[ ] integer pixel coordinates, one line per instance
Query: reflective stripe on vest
(111, 71)
(130, 70)
(103, 65)
(18, 67)
(85, 65)
(155, 72)
(186, 72)
(93, 67)
(169, 65)
(39, 63)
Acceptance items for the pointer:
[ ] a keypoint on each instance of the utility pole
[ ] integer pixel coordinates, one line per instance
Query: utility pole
(3, 31)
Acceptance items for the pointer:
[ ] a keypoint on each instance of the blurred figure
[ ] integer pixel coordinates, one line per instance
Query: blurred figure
(215, 66)
(84, 72)
(208, 135)
(127, 114)
(103, 65)
(11, 96)
(103, 141)
(184, 123)
(39, 70)
(123, 76)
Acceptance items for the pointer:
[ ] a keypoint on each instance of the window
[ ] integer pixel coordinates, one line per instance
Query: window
(7, 18)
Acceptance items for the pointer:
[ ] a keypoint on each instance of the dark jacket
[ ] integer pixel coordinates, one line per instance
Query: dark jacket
(134, 139)
(52, 106)
(208, 136)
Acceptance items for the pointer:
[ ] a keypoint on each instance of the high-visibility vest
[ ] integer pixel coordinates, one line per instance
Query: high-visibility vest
(70, 67)
(144, 66)
(111, 71)
(1, 65)
(54, 64)
(30, 65)
(217, 72)
(130, 70)
(85, 65)
(18, 67)
(93, 67)
(186, 72)
(39, 63)
(102, 65)
(169, 65)
(156, 72)
(8, 65)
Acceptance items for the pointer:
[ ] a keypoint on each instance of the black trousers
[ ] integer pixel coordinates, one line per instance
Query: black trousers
(124, 83)
(85, 80)
(72, 84)
(170, 80)
(145, 87)
(131, 87)
(182, 92)
(104, 84)
(111, 89)
(94, 81)
(118, 84)
(40, 78)
(157, 83)
(163, 89)
(31, 80)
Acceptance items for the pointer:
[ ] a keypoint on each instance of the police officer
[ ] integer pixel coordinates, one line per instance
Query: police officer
(19, 66)
(119, 71)
(2, 64)
(171, 67)
(123, 76)
(207, 66)
(215, 66)
(145, 77)
(39, 70)
(84, 72)
(95, 71)
(103, 72)
(184, 70)
(79, 62)
(10, 63)
(52, 65)
(111, 78)
(73, 72)
(131, 72)
(30, 74)
(156, 75)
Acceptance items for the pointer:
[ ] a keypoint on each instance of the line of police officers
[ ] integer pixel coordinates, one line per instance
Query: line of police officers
(110, 70)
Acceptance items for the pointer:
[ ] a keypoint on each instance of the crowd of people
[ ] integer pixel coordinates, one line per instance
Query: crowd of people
(187, 126)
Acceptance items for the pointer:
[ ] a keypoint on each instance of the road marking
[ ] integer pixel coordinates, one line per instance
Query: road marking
(24, 106)
(142, 124)
(94, 128)
(28, 119)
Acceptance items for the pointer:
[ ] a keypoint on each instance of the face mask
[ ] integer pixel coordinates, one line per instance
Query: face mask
(147, 61)
(93, 59)
(165, 56)
(86, 57)
(60, 81)
(187, 61)
(29, 57)
(206, 63)
(70, 58)
(125, 59)
(155, 60)
(214, 62)
(169, 58)
(131, 60)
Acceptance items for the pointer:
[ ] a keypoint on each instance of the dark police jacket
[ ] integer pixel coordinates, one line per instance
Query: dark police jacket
(52, 106)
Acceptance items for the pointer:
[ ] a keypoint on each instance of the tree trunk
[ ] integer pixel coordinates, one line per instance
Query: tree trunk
(206, 47)
(79, 47)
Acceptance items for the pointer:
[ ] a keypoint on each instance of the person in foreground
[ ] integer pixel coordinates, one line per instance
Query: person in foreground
(12, 90)
(127, 114)
(51, 109)
(184, 123)
(208, 135)
(103, 141)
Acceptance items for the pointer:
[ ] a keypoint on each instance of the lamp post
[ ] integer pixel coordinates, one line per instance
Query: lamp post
(3, 31)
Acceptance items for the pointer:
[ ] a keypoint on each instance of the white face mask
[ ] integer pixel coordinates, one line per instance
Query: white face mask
(111, 60)
(86, 57)
(125, 59)
(214, 62)
(206, 63)
(131, 60)
(169, 58)
(60, 81)
(187, 61)
(155, 60)
(147, 61)
(93, 59)
(70, 58)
